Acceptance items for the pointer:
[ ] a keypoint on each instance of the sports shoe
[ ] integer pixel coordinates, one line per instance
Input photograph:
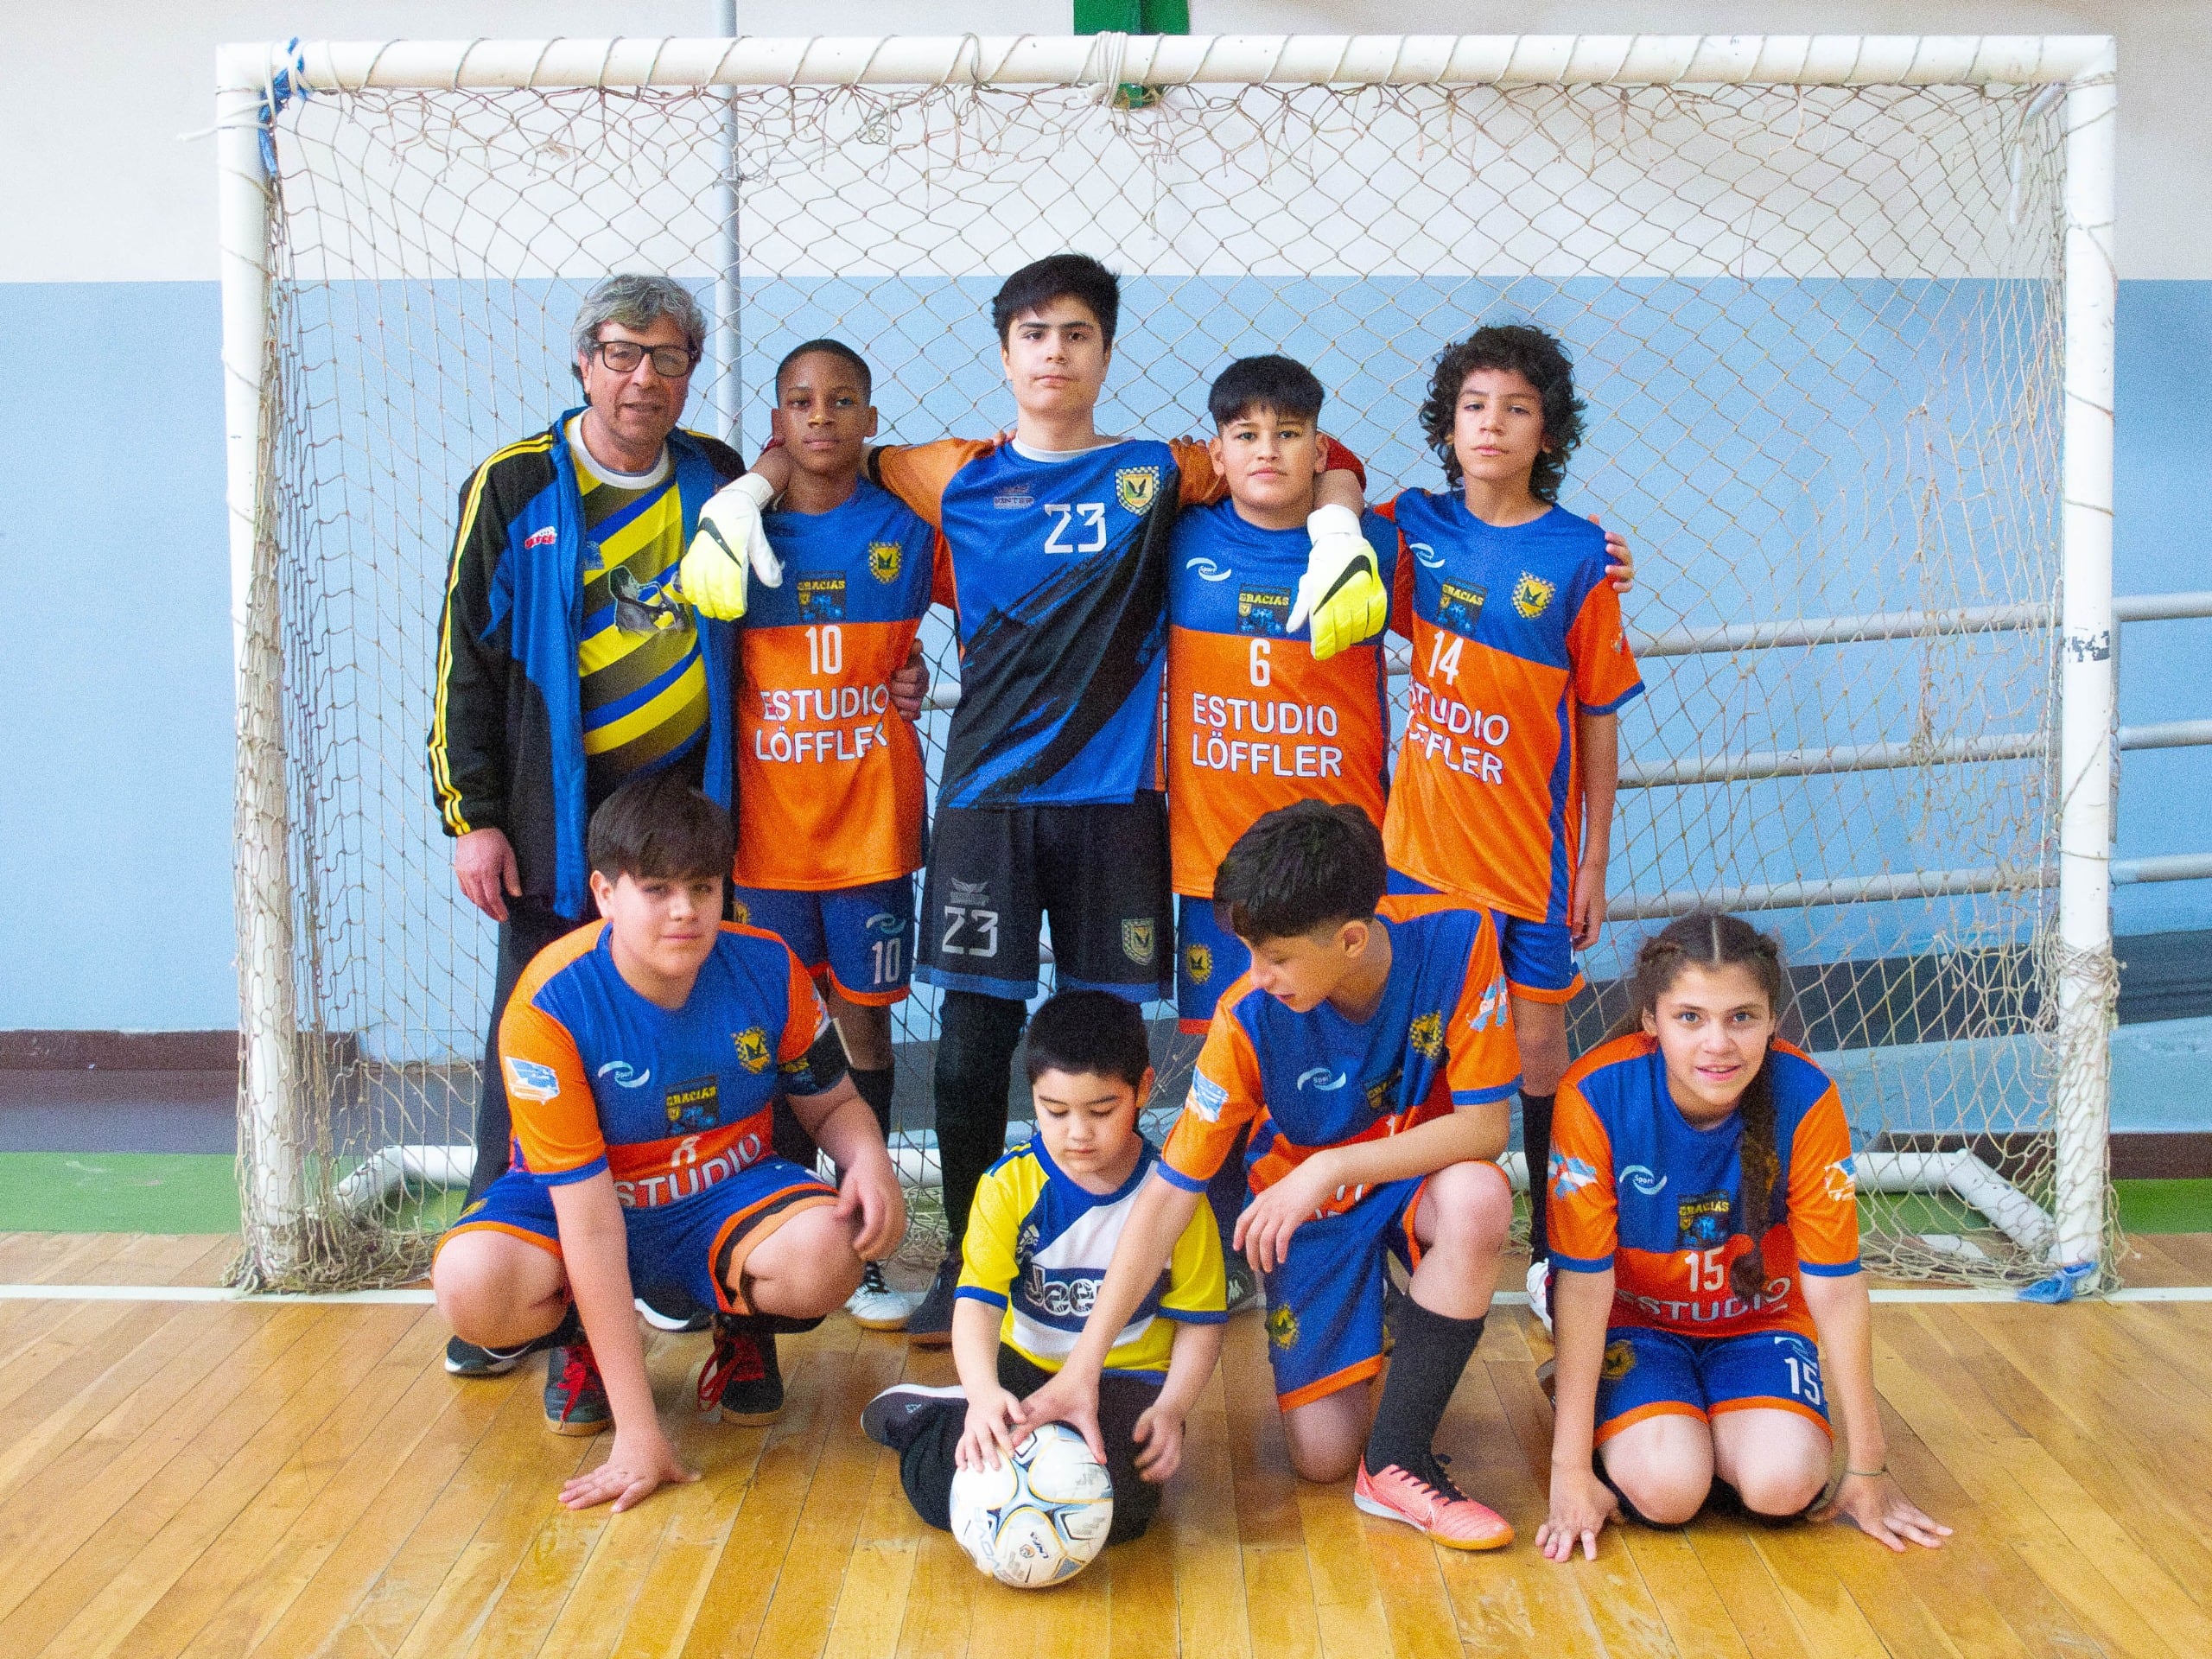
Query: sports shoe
(694, 1318)
(1242, 1285)
(1540, 1291)
(930, 1326)
(740, 1382)
(575, 1398)
(875, 1305)
(468, 1359)
(1435, 1506)
(889, 1418)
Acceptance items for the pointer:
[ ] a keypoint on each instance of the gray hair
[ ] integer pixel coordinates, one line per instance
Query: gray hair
(637, 299)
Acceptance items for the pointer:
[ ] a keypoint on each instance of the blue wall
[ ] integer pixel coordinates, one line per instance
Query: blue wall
(115, 820)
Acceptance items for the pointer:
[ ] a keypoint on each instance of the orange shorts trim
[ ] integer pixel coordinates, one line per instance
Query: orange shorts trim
(858, 999)
(550, 1246)
(1759, 1402)
(1335, 1383)
(742, 1233)
(1630, 1419)
(1551, 998)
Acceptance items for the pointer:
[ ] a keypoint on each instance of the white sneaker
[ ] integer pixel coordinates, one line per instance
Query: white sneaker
(1540, 1291)
(876, 1306)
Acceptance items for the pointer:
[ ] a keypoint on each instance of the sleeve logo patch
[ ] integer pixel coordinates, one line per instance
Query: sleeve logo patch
(1426, 1035)
(1532, 595)
(1136, 488)
(1207, 1097)
(544, 538)
(883, 560)
(752, 1049)
(1569, 1175)
(1842, 1181)
(531, 1079)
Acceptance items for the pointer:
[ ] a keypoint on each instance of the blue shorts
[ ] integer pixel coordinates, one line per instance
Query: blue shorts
(1650, 1373)
(1211, 958)
(687, 1251)
(1539, 956)
(861, 939)
(1324, 1298)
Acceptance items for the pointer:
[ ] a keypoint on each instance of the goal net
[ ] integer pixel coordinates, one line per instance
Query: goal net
(1818, 327)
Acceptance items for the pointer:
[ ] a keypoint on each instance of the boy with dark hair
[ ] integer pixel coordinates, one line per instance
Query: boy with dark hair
(643, 1054)
(830, 795)
(1040, 1237)
(1056, 564)
(1369, 1053)
(1503, 792)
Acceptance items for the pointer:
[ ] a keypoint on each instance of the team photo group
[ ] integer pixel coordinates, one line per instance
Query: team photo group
(675, 742)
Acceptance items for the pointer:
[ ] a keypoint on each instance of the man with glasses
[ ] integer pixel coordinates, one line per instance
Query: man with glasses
(567, 661)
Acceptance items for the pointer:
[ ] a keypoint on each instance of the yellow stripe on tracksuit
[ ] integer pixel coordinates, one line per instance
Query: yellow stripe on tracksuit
(441, 764)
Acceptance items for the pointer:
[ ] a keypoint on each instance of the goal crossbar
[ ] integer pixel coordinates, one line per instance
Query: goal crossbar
(1110, 60)
(2077, 71)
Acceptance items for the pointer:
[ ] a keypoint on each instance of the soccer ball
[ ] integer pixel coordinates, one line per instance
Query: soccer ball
(1040, 1519)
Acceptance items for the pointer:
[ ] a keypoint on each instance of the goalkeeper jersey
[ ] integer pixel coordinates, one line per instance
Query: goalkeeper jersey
(1057, 571)
(1514, 630)
(1039, 1244)
(829, 775)
(1634, 1187)
(1254, 722)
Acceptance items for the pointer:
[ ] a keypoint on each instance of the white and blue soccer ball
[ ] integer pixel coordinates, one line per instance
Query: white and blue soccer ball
(1039, 1519)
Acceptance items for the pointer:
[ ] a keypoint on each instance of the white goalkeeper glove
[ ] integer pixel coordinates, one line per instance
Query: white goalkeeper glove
(1341, 592)
(729, 542)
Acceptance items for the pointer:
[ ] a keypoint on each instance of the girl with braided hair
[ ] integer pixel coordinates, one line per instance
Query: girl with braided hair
(1705, 1237)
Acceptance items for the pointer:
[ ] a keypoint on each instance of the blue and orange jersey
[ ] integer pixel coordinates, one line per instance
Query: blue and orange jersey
(1514, 630)
(830, 782)
(1440, 1040)
(1056, 567)
(1253, 722)
(672, 1102)
(1634, 1187)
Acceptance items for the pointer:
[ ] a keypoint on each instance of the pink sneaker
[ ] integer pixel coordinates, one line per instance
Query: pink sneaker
(1444, 1512)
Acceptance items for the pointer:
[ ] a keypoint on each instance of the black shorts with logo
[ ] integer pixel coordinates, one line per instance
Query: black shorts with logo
(1099, 873)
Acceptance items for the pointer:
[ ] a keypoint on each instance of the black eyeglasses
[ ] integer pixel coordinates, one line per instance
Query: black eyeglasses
(623, 356)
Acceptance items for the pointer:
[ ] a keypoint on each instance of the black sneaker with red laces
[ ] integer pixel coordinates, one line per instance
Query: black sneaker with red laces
(575, 1398)
(740, 1382)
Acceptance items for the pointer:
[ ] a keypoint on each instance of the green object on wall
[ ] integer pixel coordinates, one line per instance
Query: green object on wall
(1132, 17)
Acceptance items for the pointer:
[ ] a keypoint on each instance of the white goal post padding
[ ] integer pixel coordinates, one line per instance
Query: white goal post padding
(1842, 309)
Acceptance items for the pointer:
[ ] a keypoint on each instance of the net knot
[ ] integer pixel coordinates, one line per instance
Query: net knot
(1102, 68)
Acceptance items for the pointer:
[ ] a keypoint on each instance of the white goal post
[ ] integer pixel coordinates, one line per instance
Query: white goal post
(2051, 437)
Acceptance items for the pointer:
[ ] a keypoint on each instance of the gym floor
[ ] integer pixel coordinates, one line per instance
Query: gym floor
(232, 1479)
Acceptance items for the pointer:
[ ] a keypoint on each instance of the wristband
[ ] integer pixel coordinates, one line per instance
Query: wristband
(1868, 1474)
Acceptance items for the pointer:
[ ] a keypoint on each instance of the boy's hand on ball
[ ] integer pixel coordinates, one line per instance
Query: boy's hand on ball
(640, 1463)
(1067, 1399)
(993, 1430)
(1158, 1436)
(1341, 594)
(729, 543)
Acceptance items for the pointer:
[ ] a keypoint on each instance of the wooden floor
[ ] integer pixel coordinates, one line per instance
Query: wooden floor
(243, 1479)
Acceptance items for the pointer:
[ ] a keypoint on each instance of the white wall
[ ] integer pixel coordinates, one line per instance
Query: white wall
(101, 188)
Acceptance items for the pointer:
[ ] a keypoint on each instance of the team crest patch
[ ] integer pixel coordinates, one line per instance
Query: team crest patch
(1138, 942)
(1427, 1036)
(1283, 1327)
(740, 912)
(533, 1080)
(1532, 594)
(1619, 1361)
(1703, 1223)
(694, 1107)
(753, 1048)
(1197, 962)
(1135, 486)
(883, 561)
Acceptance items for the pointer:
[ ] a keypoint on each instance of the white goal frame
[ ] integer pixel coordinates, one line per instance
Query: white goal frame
(2081, 69)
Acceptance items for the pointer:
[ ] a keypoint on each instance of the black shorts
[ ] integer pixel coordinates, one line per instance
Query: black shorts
(1099, 872)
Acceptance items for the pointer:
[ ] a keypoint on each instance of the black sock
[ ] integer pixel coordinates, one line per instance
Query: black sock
(1430, 1352)
(976, 1038)
(876, 1088)
(1536, 1148)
